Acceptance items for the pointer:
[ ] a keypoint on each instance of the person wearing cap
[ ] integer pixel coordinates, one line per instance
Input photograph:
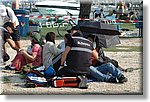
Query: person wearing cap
(74, 31)
(77, 55)
(8, 15)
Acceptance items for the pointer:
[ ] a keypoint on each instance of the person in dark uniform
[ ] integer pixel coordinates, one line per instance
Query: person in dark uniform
(74, 31)
(77, 55)
(10, 36)
(8, 15)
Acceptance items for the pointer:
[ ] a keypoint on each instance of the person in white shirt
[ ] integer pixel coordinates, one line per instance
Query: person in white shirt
(8, 15)
(50, 50)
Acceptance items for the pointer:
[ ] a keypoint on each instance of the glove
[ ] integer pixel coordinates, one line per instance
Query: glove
(60, 67)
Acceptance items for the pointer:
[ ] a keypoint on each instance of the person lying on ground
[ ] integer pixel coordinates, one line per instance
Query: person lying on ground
(102, 58)
(105, 72)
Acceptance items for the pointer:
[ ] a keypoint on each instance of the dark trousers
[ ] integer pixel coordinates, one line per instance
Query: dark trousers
(66, 72)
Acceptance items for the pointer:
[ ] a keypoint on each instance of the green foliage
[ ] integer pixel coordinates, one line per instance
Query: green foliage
(125, 49)
(5, 79)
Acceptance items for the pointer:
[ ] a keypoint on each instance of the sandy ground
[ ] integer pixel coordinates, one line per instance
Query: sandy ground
(126, 59)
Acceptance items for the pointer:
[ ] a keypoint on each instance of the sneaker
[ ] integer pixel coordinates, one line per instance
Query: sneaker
(83, 82)
(8, 67)
(122, 79)
(112, 80)
(129, 70)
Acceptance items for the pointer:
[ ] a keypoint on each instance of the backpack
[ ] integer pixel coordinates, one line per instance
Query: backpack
(35, 78)
(38, 77)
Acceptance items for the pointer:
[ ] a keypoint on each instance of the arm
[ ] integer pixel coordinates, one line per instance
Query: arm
(15, 24)
(35, 50)
(95, 54)
(55, 50)
(28, 56)
(12, 44)
(18, 44)
(64, 55)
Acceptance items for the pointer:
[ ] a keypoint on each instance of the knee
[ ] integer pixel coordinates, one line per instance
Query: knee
(93, 69)
(110, 64)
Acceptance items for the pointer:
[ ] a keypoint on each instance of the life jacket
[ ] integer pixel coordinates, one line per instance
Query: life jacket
(78, 58)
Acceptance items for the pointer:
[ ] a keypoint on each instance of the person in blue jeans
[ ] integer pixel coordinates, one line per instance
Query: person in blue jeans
(105, 72)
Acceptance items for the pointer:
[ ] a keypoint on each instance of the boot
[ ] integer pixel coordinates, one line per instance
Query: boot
(83, 82)
(122, 79)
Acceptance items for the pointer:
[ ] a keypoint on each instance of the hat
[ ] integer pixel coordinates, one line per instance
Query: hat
(73, 28)
(3, 10)
(38, 38)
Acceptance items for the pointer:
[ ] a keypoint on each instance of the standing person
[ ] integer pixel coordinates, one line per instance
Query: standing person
(50, 50)
(8, 15)
(121, 7)
(97, 12)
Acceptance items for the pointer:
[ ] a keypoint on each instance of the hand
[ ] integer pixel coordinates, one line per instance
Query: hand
(22, 51)
(19, 51)
(60, 68)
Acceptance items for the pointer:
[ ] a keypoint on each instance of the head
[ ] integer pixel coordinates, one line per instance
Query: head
(9, 27)
(50, 36)
(73, 30)
(36, 39)
(3, 12)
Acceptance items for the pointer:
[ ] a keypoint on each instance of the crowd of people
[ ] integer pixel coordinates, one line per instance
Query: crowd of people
(124, 11)
(79, 56)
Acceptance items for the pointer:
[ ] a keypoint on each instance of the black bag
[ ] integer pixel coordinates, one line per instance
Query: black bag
(6, 57)
(114, 62)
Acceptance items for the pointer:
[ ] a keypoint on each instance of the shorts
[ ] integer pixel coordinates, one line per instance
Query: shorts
(16, 36)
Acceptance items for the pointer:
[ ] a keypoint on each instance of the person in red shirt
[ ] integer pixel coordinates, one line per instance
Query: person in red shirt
(23, 57)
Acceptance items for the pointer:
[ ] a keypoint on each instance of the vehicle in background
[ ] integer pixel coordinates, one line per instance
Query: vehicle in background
(57, 7)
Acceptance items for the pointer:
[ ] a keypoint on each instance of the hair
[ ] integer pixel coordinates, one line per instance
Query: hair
(50, 36)
(9, 24)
